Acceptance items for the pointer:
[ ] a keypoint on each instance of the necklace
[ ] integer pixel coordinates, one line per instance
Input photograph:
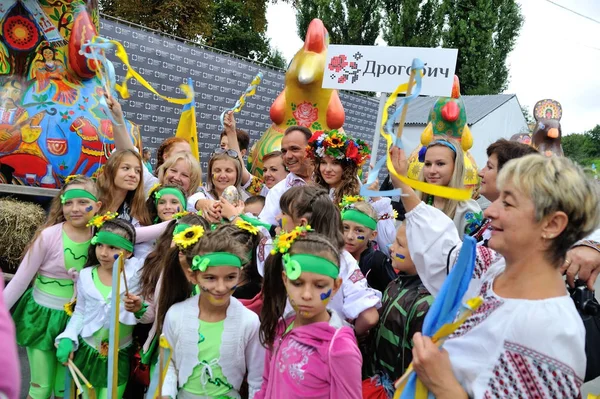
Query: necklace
(430, 200)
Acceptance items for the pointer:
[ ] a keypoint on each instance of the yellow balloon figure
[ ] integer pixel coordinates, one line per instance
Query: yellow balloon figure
(448, 119)
(303, 101)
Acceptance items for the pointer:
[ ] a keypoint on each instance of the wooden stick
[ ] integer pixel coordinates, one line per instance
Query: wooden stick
(411, 83)
(77, 382)
(79, 373)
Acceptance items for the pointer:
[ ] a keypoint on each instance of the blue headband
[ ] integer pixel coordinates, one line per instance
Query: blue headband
(423, 150)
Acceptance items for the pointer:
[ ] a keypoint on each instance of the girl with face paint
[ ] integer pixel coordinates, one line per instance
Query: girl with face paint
(359, 221)
(214, 337)
(312, 341)
(86, 337)
(56, 254)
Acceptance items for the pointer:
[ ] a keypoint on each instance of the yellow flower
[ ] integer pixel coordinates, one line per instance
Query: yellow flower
(179, 215)
(242, 224)
(70, 307)
(336, 140)
(98, 220)
(154, 187)
(395, 214)
(188, 237)
(284, 241)
(70, 178)
(103, 349)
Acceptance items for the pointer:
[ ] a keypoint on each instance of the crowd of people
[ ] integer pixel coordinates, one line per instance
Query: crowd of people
(293, 285)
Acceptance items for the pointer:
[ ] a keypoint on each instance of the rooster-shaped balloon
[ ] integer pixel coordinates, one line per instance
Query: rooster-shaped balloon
(547, 132)
(303, 101)
(447, 119)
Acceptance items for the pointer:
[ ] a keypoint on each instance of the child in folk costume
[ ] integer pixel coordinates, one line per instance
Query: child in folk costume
(405, 303)
(311, 353)
(214, 338)
(56, 254)
(87, 332)
(359, 221)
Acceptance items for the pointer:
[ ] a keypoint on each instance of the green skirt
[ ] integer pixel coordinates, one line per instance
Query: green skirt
(37, 326)
(95, 366)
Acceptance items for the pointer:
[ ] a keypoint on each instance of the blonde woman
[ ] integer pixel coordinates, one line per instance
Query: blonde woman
(526, 339)
(443, 165)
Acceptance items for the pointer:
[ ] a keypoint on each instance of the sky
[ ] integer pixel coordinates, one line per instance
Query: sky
(557, 56)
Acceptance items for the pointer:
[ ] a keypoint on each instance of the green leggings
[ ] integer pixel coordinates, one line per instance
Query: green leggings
(47, 374)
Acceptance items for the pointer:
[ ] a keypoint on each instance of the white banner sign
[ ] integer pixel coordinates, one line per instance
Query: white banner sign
(383, 68)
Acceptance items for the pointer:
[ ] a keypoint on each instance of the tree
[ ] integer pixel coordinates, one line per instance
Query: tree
(276, 59)
(485, 32)
(527, 115)
(347, 21)
(230, 25)
(413, 23)
(188, 19)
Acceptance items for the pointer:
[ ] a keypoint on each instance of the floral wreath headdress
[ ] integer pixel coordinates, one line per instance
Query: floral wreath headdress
(244, 225)
(98, 220)
(339, 146)
(70, 178)
(188, 237)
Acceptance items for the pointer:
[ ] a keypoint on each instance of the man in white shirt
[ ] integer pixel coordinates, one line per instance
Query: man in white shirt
(293, 149)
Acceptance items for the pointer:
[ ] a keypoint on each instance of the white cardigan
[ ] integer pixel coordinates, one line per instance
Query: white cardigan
(92, 312)
(241, 350)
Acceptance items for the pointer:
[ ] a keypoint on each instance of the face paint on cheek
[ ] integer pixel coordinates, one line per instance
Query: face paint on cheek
(360, 238)
(398, 257)
(116, 256)
(89, 208)
(326, 296)
(234, 288)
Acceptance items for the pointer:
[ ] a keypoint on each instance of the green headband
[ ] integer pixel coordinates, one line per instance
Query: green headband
(115, 240)
(294, 265)
(170, 190)
(77, 193)
(213, 259)
(180, 227)
(357, 216)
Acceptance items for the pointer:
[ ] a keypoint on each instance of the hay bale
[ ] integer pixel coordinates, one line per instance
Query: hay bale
(18, 222)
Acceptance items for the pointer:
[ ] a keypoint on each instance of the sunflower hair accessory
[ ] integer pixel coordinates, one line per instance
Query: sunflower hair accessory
(70, 178)
(244, 225)
(348, 201)
(283, 242)
(98, 220)
(154, 188)
(181, 214)
(188, 237)
(339, 146)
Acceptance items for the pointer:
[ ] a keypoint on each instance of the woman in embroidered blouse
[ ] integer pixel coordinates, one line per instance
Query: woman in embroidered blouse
(526, 339)
(443, 165)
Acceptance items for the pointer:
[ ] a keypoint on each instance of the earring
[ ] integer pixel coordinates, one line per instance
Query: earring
(544, 236)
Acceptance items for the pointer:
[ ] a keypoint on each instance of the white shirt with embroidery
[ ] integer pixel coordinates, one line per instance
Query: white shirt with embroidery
(509, 348)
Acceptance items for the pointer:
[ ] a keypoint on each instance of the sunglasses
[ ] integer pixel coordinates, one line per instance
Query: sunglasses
(231, 153)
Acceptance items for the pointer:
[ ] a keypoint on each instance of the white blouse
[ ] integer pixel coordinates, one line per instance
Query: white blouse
(508, 348)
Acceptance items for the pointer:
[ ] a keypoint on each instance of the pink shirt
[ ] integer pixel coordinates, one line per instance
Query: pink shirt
(44, 256)
(320, 360)
(10, 382)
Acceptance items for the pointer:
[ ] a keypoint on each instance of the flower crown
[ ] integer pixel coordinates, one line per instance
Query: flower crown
(98, 220)
(188, 237)
(154, 188)
(348, 201)
(243, 225)
(283, 242)
(339, 146)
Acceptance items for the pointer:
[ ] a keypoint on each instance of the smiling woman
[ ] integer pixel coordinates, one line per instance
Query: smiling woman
(545, 206)
(443, 165)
